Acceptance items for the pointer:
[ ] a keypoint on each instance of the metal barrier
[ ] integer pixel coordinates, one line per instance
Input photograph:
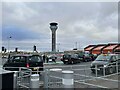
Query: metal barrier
(52, 77)
(23, 75)
(83, 76)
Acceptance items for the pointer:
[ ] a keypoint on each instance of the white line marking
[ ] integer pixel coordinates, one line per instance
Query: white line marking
(97, 78)
(92, 84)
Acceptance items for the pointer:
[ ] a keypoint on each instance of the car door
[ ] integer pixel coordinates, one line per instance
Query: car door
(118, 60)
(13, 63)
(113, 61)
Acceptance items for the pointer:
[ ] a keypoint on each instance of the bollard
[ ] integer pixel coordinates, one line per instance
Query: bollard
(68, 80)
(15, 79)
(104, 71)
(34, 83)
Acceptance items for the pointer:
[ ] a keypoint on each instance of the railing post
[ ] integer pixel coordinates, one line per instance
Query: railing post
(15, 79)
(68, 80)
(116, 67)
(104, 71)
(34, 83)
(96, 70)
(45, 79)
(85, 73)
(20, 75)
(20, 71)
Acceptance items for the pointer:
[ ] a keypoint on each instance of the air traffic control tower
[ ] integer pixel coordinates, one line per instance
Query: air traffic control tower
(53, 27)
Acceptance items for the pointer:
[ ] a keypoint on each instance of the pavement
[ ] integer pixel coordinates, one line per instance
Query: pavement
(110, 82)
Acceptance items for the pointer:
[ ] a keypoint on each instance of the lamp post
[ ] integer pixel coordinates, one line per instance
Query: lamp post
(76, 45)
(53, 27)
(58, 47)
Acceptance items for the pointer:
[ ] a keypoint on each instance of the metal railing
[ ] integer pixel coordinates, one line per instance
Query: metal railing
(52, 77)
(22, 76)
(83, 75)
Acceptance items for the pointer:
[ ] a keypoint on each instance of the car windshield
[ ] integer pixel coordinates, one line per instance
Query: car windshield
(35, 58)
(103, 58)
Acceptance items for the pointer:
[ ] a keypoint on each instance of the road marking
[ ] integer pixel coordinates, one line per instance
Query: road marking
(110, 75)
(97, 78)
(91, 84)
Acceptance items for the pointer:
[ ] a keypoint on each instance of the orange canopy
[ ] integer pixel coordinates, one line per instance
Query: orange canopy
(98, 48)
(118, 48)
(111, 47)
(89, 48)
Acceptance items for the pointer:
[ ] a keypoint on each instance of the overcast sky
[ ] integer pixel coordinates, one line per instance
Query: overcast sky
(82, 22)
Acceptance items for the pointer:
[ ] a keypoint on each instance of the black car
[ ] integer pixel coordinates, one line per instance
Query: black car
(71, 58)
(105, 62)
(86, 56)
(33, 62)
(52, 58)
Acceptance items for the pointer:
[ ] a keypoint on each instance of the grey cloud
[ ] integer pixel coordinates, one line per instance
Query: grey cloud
(77, 21)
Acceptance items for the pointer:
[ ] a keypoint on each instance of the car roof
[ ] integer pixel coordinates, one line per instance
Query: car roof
(25, 55)
(109, 54)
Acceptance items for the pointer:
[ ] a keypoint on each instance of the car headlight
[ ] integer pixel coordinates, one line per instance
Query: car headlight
(105, 65)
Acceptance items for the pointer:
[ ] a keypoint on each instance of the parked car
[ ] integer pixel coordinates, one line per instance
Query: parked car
(52, 58)
(33, 62)
(71, 58)
(105, 62)
(86, 56)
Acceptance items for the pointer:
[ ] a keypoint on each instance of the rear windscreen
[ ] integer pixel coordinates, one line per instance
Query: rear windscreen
(35, 59)
(16, 59)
